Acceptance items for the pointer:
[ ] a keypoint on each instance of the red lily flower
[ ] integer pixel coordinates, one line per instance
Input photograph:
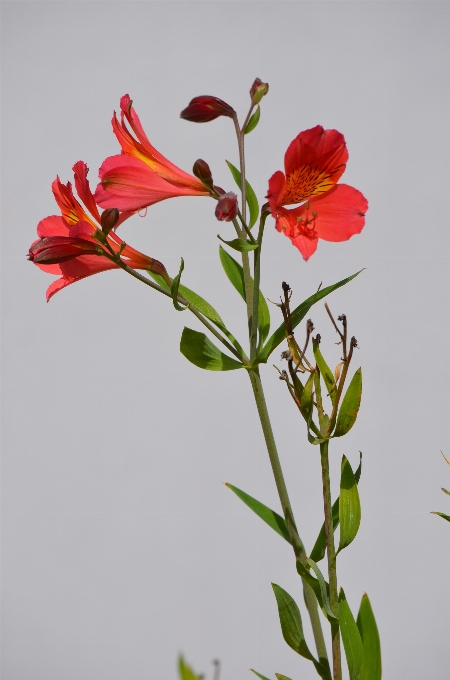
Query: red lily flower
(313, 163)
(71, 246)
(140, 176)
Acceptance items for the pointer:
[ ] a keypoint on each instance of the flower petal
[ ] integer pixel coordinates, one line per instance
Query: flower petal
(277, 187)
(340, 213)
(54, 225)
(81, 170)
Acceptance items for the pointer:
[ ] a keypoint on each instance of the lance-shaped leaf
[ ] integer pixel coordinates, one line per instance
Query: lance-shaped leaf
(371, 668)
(318, 552)
(250, 195)
(200, 351)
(349, 506)
(297, 315)
(445, 491)
(235, 275)
(253, 122)
(441, 514)
(325, 371)
(282, 677)
(185, 671)
(350, 406)
(203, 306)
(240, 245)
(292, 628)
(263, 677)
(351, 639)
(319, 585)
(270, 517)
(174, 289)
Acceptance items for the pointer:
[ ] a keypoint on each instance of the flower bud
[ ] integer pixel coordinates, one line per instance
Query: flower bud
(205, 108)
(258, 90)
(56, 249)
(109, 219)
(202, 171)
(227, 207)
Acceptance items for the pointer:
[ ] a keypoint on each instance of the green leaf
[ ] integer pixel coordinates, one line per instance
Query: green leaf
(240, 245)
(270, 517)
(441, 514)
(351, 639)
(174, 289)
(349, 506)
(203, 306)
(185, 671)
(367, 626)
(263, 677)
(282, 677)
(253, 122)
(318, 552)
(350, 406)
(200, 351)
(325, 372)
(251, 199)
(319, 585)
(235, 274)
(445, 491)
(298, 314)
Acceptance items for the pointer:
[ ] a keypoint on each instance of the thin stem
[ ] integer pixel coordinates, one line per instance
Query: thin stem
(299, 548)
(256, 280)
(331, 554)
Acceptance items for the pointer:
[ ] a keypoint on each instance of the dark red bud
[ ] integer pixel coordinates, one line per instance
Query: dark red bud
(109, 219)
(157, 267)
(202, 171)
(258, 91)
(55, 249)
(205, 108)
(227, 207)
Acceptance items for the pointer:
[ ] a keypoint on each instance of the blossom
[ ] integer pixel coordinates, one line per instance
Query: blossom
(313, 163)
(140, 176)
(72, 246)
(205, 108)
(227, 207)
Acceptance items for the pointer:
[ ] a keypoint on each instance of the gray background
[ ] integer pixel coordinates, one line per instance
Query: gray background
(121, 547)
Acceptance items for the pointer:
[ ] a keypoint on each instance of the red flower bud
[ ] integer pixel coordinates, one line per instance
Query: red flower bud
(109, 219)
(258, 90)
(55, 249)
(205, 108)
(227, 207)
(202, 171)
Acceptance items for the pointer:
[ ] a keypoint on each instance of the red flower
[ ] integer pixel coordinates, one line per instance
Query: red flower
(227, 207)
(140, 175)
(205, 108)
(68, 246)
(313, 163)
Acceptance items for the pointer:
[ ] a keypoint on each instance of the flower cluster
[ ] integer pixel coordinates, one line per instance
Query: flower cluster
(305, 200)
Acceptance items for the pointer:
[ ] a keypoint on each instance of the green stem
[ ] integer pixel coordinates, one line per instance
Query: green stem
(256, 280)
(331, 554)
(299, 549)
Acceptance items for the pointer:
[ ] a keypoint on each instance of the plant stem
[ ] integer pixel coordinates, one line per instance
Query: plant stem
(331, 554)
(299, 549)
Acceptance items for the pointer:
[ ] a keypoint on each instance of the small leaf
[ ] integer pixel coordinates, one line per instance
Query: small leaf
(200, 351)
(371, 668)
(445, 491)
(350, 406)
(319, 585)
(253, 122)
(240, 245)
(320, 546)
(263, 677)
(282, 677)
(174, 289)
(441, 514)
(291, 622)
(349, 506)
(185, 671)
(270, 517)
(351, 639)
(251, 199)
(325, 372)
(298, 314)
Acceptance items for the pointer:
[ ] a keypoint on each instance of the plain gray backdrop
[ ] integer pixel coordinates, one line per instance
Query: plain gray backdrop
(121, 546)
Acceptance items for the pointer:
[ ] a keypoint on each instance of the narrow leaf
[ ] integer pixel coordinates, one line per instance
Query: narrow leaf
(325, 372)
(318, 552)
(185, 671)
(351, 639)
(441, 514)
(174, 289)
(240, 245)
(349, 408)
(263, 677)
(298, 314)
(282, 677)
(320, 587)
(349, 506)
(250, 195)
(253, 122)
(324, 589)
(371, 668)
(270, 517)
(200, 351)
(291, 622)
(445, 491)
